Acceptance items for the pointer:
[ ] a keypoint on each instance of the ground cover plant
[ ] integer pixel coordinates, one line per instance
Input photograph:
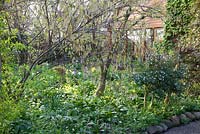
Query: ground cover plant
(49, 106)
(72, 67)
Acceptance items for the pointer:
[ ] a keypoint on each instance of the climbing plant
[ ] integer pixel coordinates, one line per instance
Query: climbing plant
(177, 21)
(182, 33)
(191, 52)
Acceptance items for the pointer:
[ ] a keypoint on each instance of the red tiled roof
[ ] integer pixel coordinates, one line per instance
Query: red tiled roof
(151, 22)
(154, 22)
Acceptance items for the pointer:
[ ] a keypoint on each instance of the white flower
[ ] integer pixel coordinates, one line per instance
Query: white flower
(42, 107)
(59, 116)
(73, 72)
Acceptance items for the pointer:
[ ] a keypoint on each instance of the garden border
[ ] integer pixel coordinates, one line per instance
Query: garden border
(174, 121)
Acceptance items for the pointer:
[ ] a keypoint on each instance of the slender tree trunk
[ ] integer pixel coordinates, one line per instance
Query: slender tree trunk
(48, 24)
(105, 64)
(104, 71)
(102, 83)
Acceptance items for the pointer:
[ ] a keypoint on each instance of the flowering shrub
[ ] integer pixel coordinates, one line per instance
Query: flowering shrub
(161, 75)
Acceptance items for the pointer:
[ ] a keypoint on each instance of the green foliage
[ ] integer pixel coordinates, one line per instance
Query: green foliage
(161, 75)
(190, 54)
(177, 21)
(41, 80)
(10, 73)
(9, 111)
(182, 33)
(49, 106)
(9, 47)
(193, 90)
(59, 100)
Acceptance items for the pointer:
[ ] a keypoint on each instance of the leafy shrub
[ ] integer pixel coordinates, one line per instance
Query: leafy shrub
(161, 75)
(50, 107)
(193, 90)
(74, 76)
(9, 111)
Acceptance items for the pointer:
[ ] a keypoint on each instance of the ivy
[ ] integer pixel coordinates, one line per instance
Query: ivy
(182, 33)
(177, 22)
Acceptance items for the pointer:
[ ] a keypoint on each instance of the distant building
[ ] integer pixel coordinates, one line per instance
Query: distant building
(150, 26)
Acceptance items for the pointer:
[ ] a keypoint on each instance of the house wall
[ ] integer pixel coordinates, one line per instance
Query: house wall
(151, 28)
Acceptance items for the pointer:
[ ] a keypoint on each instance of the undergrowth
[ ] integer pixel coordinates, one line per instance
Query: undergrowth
(49, 106)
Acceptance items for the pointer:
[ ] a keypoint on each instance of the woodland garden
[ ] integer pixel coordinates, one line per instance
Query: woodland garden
(69, 66)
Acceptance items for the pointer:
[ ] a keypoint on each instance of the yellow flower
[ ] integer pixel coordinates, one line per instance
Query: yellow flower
(93, 69)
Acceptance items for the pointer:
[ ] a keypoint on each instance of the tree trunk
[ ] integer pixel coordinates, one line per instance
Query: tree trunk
(48, 24)
(104, 71)
(105, 64)
(102, 83)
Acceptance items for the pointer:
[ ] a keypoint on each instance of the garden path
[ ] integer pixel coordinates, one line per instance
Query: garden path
(191, 128)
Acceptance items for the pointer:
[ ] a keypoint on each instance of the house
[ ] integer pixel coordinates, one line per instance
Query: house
(150, 26)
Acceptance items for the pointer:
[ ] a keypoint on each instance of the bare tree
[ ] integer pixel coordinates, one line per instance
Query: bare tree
(85, 28)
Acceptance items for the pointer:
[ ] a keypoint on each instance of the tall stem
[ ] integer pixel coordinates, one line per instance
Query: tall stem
(145, 97)
(167, 98)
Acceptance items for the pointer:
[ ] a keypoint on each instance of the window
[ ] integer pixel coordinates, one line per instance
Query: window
(159, 34)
